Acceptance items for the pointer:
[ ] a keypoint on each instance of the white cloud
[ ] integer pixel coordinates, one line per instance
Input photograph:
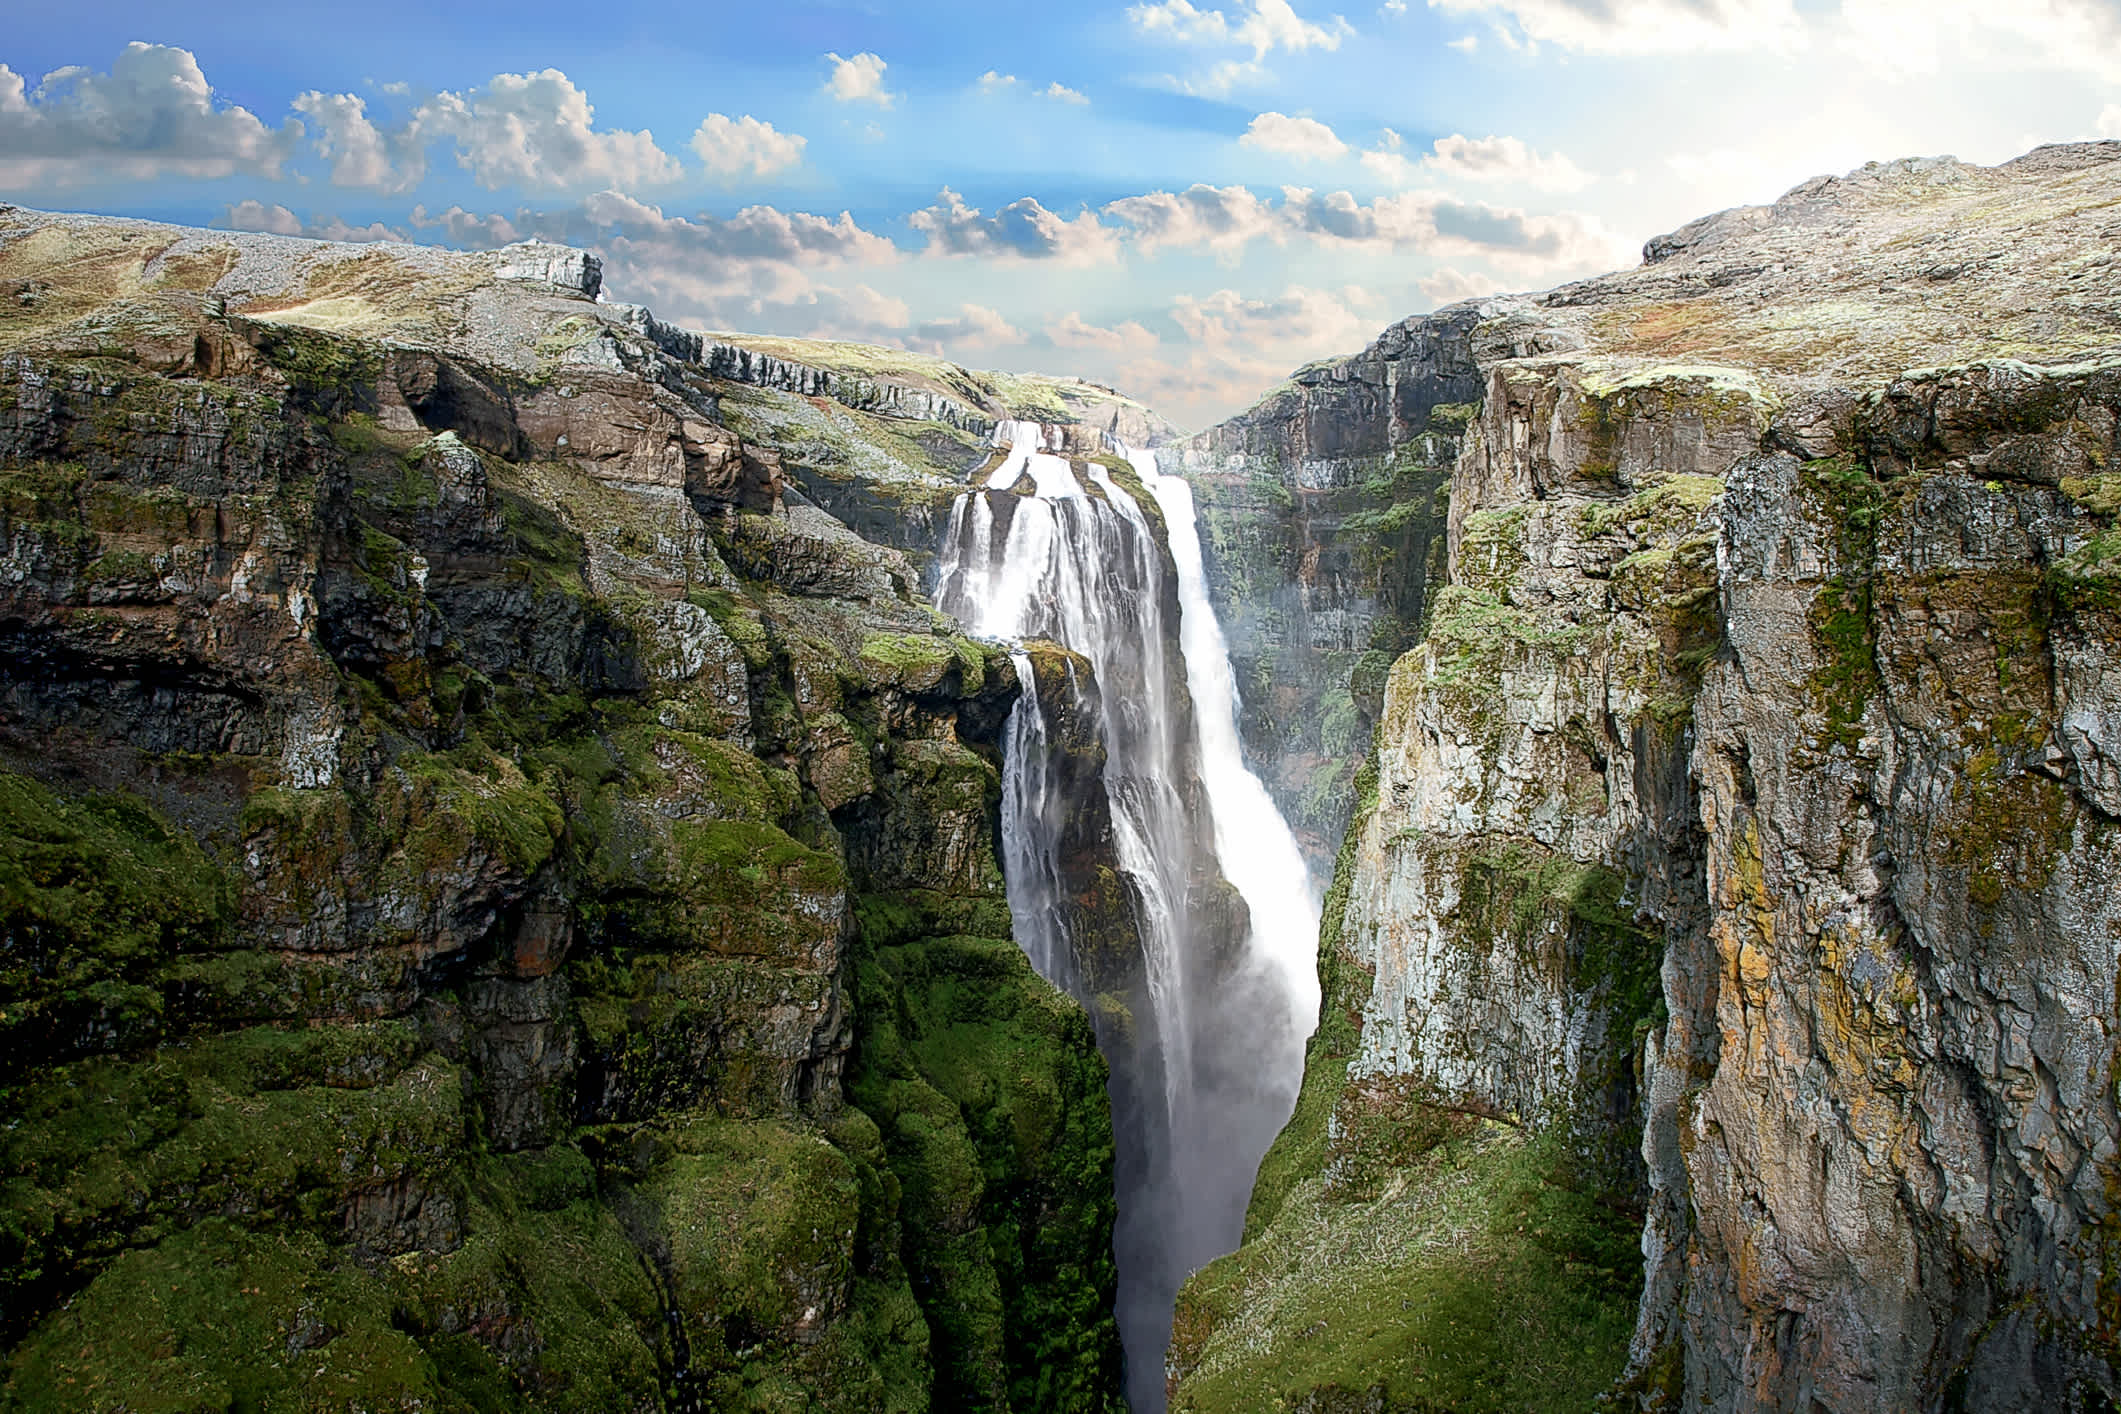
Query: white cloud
(152, 115)
(1389, 159)
(1504, 159)
(994, 81)
(976, 327)
(1911, 36)
(1023, 229)
(859, 80)
(2109, 124)
(729, 145)
(534, 131)
(1262, 26)
(1448, 286)
(1464, 44)
(253, 215)
(459, 227)
(1305, 139)
(1072, 331)
(358, 151)
(1227, 219)
(1237, 345)
(1222, 219)
(1305, 317)
(1645, 26)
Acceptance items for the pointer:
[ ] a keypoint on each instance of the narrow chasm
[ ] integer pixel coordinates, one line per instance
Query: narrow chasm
(1149, 873)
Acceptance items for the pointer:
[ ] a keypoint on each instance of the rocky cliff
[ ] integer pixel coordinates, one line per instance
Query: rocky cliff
(499, 904)
(1731, 880)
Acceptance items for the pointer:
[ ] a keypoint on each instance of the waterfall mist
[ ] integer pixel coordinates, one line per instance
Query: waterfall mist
(1149, 873)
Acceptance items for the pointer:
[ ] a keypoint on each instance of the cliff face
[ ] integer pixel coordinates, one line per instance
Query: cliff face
(499, 897)
(1322, 512)
(1741, 844)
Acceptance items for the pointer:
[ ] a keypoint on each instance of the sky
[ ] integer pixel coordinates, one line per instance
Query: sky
(1184, 199)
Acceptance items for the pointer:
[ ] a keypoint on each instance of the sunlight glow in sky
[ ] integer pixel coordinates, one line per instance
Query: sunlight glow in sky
(1185, 200)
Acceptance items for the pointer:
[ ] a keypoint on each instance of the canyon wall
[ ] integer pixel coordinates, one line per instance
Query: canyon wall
(1720, 964)
(500, 892)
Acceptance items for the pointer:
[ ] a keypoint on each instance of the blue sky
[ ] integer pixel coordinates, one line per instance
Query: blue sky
(1184, 198)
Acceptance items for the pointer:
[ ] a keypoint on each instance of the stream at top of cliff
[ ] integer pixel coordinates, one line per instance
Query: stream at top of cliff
(1194, 950)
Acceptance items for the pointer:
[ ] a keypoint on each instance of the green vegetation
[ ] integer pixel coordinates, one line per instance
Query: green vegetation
(1847, 678)
(97, 897)
(987, 1089)
(1478, 1277)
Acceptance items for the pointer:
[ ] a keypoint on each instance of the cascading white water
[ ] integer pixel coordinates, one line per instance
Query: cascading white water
(1259, 853)
(1206, 1062)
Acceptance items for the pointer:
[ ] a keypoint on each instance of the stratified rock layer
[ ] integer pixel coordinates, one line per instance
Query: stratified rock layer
(1743, 830)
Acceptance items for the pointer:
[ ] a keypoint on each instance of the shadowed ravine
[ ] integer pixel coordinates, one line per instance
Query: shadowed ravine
(1194, 954)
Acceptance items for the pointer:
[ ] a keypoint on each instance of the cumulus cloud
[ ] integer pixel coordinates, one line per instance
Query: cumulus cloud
(730, 145)
(535, 131)
(1072, 331)
(1061, 93)
(152, 115)
(1644, 26)
(1504, 159)
(1227, 219)
(994, 82)
(253, 215)
(1222, 219)
(359, 152)
(1305, 139)
(1023, 229)
(758, 257)
(859, 80)
(1261, 26)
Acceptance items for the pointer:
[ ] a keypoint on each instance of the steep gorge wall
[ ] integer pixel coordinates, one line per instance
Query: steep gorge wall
(500, 901)
(1739, 855)
(1322, 512)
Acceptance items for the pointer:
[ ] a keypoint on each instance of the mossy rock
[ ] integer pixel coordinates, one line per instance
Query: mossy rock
(99, 895)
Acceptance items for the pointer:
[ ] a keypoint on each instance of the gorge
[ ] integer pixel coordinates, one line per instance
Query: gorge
(1563, 860)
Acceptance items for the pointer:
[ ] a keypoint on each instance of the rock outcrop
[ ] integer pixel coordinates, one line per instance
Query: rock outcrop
(1740, 848)
(499, 902)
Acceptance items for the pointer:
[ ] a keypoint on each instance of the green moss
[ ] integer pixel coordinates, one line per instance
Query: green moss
(1842, 612)
(97, 895)
(324, 371)
(987, 1090)
(218, 1317)
(1478, 1279)
(1453, 417)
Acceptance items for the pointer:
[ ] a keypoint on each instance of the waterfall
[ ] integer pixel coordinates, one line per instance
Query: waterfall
(1203, 1012)
(1258, 852)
